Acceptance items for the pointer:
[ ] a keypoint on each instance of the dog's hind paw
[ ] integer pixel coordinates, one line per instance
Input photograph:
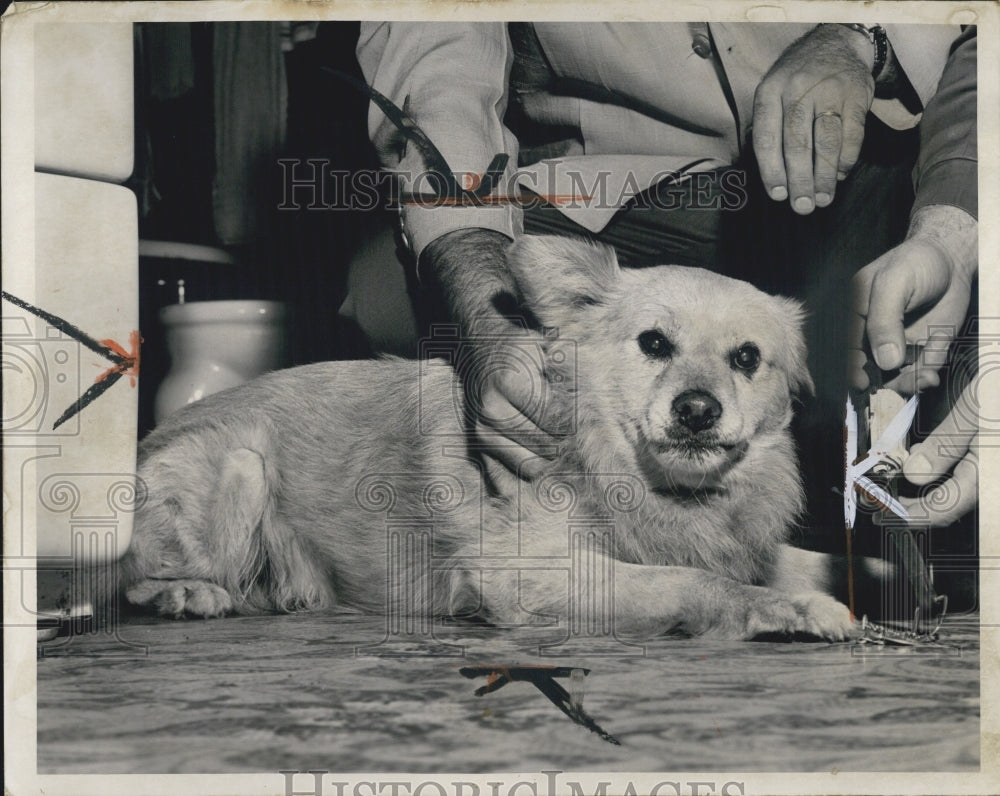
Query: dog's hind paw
(179, 597)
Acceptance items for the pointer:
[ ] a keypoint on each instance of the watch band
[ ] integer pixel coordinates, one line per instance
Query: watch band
(876, 35)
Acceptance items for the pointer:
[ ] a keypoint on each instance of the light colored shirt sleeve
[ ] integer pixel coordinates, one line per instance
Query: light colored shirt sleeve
(921, 52)
(452, 79)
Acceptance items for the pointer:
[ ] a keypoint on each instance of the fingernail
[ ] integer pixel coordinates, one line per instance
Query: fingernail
(841, 176)
(779, 193)
(823, 199)
(887, 355)
(803, 204)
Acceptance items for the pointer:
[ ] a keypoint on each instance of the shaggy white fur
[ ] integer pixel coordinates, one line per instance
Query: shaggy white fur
(285, 493)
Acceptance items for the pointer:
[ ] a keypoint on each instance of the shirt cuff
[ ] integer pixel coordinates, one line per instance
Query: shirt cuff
(423, 225)
(950, 182)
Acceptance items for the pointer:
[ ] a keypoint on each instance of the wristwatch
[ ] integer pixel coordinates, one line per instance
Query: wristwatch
(876, 35)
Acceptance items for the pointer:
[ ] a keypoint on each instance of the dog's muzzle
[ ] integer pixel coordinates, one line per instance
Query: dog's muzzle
(696, 410)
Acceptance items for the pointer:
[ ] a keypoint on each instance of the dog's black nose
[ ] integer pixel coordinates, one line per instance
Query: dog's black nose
(697, 410)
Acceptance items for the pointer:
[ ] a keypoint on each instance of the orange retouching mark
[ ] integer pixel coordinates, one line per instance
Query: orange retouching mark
(479, 201)
(129, 363)
(850, 573)
(125, 362)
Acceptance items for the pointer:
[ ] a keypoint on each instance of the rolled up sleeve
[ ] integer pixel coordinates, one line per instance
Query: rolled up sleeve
(453, 80)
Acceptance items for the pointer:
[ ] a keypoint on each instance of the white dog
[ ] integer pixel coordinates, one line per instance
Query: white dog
(276, 494)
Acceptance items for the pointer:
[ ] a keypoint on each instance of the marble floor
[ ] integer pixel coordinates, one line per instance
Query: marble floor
(260, 694)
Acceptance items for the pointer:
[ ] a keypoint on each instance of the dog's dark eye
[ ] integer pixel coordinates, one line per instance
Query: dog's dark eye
(654, 343)
(746, 357)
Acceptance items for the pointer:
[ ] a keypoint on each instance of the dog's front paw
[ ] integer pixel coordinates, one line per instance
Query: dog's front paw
(810, 614)
(756, 612)
(822, 615)
(179, 597)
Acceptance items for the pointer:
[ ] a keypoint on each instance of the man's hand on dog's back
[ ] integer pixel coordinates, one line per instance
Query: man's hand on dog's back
(515, 420)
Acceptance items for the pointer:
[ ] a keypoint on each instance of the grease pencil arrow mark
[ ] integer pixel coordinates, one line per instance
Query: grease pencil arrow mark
(126, 363)
(433, 159)
(542, 678)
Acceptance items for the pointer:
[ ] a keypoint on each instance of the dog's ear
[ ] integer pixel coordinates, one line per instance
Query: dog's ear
(793, 315)
(557, 275)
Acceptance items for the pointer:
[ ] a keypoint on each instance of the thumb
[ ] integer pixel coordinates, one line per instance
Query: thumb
(915, 274)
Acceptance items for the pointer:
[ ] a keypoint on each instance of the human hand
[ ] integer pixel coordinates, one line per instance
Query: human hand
(951, 452)
(517, 411)
(514, 412)
(917, 292)
(809, 115)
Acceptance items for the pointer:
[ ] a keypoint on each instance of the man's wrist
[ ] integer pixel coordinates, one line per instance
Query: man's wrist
(464, 238)
(460, 244)
(853, 40)
(876, 54)
(470, 267)
(872, 46)
(953, 231)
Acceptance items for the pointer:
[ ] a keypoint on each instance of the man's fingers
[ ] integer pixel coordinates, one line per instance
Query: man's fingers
(861, 286)
(511, 437)
(856, 376)
(501, 416)
(524, 401)
(951, 499)
(797, 145)
(767, 141)
(519, 406)
(913, 379)
(519, 415)
(932, 356)
(827, 136)
(910, 284)
(934, 352)
(852, 134)
(951, 441)
(524, 462)
(890, 295)
(952, 450)
(915, 276)
(509, 385)
(953, 447)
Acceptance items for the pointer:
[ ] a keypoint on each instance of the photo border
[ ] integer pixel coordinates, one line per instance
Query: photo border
(16, 162)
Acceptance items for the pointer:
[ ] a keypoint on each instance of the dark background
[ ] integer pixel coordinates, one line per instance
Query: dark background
(298, 256)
